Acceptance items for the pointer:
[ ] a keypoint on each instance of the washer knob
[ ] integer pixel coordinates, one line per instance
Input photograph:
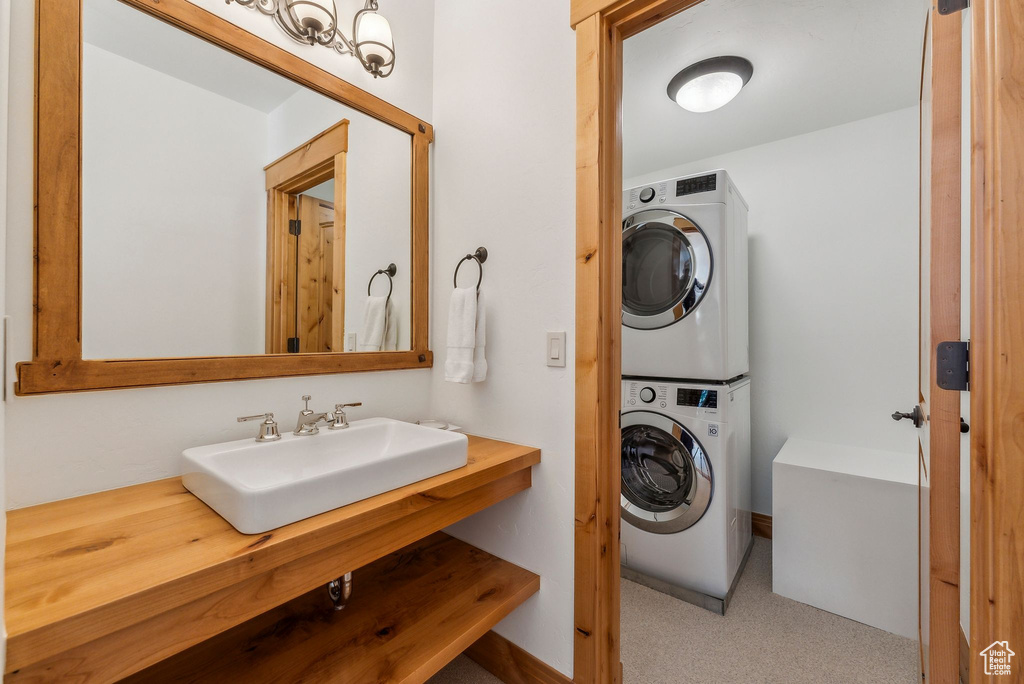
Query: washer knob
(647, 395)
(646, 195)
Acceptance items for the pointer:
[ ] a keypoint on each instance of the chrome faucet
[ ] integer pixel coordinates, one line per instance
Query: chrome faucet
(308, 421)
(340, 421)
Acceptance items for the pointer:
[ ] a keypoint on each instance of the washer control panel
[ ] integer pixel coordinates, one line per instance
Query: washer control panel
(650, 194)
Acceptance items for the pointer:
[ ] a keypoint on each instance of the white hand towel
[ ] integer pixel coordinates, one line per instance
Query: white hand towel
(374, 322)
(479, 362)
(458, 367)
(391, 328)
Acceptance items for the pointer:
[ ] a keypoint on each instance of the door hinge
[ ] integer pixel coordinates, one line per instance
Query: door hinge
(294, 227)
(953, 6)
(293, 345)
(953, 366)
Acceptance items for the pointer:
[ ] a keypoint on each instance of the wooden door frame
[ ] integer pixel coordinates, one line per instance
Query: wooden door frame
(321, 158)
(941, 407)
(997, 331)
(601, 26)
(997, 262)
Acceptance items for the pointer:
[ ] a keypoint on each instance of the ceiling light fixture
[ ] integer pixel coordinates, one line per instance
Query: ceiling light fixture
(315, 22)
(710, 83)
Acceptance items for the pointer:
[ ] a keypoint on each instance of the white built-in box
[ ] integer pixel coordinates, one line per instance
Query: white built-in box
(844, 527)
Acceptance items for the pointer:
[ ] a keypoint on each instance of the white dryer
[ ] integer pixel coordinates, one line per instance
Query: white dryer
(684, 279)
(686, 487)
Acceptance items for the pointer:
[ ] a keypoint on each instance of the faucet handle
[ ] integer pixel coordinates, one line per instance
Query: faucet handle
(340, 421)
(268, 428)
(306, 398)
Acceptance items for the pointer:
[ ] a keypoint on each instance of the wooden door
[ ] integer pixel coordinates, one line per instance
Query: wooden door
(997, 336)
(938, 413)
(318, 318)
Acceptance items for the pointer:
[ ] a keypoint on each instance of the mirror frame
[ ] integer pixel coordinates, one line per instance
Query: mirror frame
(57, 364)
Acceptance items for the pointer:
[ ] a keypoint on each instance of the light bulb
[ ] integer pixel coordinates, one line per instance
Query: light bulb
(372, 29)
(709, 84)
(709, 92)
(314, 16)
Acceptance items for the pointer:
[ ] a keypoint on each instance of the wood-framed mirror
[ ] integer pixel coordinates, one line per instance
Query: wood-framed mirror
(163, 134)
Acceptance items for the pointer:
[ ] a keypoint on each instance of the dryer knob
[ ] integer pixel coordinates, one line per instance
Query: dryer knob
(646, 195)
(647, 395)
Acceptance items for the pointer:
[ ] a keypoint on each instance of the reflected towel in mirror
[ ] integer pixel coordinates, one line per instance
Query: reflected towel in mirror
(380, 329)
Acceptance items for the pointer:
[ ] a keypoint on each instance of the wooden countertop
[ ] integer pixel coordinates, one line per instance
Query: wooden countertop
(110, 577)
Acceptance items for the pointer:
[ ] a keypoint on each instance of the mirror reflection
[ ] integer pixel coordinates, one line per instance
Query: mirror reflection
(227, 210)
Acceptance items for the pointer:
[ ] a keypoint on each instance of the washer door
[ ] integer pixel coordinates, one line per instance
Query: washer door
(666, 268)
(666, 475)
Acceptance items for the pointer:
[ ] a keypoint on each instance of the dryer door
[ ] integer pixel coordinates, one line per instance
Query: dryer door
(666, 268)
(667, 482)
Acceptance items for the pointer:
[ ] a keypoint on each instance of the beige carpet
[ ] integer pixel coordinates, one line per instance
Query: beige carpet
(763, 638)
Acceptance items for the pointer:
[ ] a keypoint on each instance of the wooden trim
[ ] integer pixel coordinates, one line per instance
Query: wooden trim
(943, 179)
(57, 364)
(48, 377)
(598, 332)
(420, 258)
(58, 189)
(629, 16)
(761, 525)
(997, 331)
(319, 159)
(310, 163)
(598, 328)
(511, 664)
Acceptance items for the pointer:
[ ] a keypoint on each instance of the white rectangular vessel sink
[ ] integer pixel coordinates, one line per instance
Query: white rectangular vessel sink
(260, 486)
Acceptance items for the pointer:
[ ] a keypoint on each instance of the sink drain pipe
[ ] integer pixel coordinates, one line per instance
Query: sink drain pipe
(340, 590)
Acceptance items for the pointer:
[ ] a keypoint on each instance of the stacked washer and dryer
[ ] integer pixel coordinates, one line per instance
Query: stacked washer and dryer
(685, 390)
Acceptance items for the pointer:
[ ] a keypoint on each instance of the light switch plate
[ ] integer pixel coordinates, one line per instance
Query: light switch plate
(350, 342)
(555, 349)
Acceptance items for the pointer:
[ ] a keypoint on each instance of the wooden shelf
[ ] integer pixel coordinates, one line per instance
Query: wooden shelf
(410, 614)
(102, 586)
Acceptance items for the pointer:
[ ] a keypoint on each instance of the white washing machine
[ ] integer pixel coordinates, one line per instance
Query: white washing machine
(686, 487)
(684, 279)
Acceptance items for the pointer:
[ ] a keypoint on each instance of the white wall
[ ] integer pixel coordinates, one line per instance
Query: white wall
(378, 209)
(65, 445)
(833, 285)
(173, 215)
(504, 178)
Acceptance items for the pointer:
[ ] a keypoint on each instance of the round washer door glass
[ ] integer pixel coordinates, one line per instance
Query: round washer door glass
(666, 475)
(666, 268)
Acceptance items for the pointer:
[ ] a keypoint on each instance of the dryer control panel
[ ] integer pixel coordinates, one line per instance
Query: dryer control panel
(647, 195)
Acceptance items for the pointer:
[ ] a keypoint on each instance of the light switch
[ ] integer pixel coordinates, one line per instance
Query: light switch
(350, 342)
(556, 349)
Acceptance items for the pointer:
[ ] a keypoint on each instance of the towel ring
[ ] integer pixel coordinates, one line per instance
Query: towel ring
(390, 272)
(480, 256)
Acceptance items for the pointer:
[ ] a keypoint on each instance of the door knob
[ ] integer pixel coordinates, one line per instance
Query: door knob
(914, 416)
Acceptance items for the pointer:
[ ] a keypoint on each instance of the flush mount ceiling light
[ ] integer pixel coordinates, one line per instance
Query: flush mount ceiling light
(316, 22)
(710, 84)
